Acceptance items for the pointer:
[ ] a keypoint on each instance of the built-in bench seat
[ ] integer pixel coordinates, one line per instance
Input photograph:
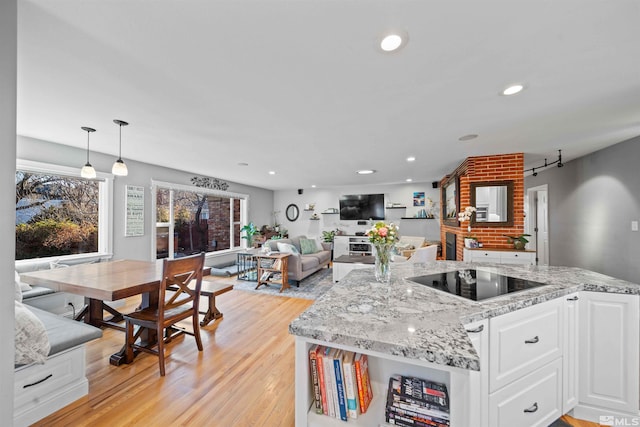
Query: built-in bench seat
(40, 390)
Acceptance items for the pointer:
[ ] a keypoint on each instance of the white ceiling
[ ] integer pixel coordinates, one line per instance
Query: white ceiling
(300, 87)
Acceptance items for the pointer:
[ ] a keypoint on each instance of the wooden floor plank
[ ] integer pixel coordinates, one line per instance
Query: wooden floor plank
(244, 376)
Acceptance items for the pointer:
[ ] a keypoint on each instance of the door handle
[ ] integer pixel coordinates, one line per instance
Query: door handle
(532, 408)
(476, 330)
(572, 299)
(532, 340)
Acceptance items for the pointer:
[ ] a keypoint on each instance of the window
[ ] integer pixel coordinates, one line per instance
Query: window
(60, 214)
(190, 220)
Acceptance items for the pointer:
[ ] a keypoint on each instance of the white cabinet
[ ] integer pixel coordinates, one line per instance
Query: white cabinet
(340, 246)
(534, 400)
(609, 352)
(351, 245)
(524, 340)
(570, 372)
(479, 380)
(500, 256)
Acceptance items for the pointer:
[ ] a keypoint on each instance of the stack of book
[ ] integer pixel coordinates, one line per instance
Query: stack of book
(341, 384)
(417, 402)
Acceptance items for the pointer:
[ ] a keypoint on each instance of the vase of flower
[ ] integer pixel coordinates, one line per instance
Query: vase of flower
(384, 237)
(383, 253)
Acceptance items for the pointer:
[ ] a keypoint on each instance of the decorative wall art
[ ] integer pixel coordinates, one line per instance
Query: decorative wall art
(418, 199)
(134, 217)
(211, 183)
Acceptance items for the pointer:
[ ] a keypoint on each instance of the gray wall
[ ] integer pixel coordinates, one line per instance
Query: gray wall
(8, 67)
(329, 198)
(140, 174)
(592, 201)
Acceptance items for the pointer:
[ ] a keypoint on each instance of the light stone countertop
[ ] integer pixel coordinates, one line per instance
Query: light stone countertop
(410, 320)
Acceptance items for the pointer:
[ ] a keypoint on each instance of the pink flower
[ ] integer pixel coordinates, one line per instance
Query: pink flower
(382, 231)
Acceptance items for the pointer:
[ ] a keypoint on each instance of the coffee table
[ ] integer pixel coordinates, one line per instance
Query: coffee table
(343, 264)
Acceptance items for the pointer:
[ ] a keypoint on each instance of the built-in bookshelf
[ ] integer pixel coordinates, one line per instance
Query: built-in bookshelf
(342, 390)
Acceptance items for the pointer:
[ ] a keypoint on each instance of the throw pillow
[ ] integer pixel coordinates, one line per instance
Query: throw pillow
(287, 248)
(308, 246)
(23, 286)
(17, 291)
(32, 342)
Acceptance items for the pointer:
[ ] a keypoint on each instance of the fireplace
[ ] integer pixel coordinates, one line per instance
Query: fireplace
(450, 239)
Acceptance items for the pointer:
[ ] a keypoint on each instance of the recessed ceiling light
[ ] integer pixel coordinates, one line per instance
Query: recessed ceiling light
(468, 137)
(365, 171)
(391, 42)
(272, 172)
(313, 186)
(411, 159)
(408, 180)
(513, 89)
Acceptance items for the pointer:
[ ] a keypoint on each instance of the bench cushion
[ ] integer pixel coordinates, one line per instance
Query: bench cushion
(65, 333)
(36, 291)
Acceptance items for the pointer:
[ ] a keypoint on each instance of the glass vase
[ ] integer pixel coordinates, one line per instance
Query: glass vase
(383, 253)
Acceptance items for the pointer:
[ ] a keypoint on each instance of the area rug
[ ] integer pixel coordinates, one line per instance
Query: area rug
(312, 287)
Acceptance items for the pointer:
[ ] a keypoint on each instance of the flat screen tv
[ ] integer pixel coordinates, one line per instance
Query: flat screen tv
(362, 207)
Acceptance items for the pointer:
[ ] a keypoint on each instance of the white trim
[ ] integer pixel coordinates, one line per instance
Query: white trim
(56, 169)
(105, 205)
(193, 188)
(244, 209)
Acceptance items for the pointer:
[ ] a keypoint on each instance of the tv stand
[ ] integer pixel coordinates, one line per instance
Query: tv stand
(352, 246)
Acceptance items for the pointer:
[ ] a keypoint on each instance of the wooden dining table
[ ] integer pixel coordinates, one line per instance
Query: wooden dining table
(105, 281)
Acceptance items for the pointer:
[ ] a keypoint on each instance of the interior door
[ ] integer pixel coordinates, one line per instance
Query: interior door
(542, 227)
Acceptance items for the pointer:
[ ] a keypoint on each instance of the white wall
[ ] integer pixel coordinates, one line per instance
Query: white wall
(140, 174)
(328, 198)
(8, 67)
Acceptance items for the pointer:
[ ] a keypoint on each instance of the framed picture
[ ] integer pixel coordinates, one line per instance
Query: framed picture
(134, 216)
(418, 199)
(450, 201)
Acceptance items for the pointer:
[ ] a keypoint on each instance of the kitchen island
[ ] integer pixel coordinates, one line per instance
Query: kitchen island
(407, 328)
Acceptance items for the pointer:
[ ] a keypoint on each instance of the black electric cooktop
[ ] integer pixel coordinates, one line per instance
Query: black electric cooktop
(476, 285)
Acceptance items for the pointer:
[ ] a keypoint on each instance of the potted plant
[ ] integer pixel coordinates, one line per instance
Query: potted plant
(518, 241)
(249, 230)
(327, 236)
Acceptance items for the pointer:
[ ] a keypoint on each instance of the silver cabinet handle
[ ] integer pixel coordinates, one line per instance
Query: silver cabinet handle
(476, 330)
(532, 408)
(572, 299)
(532, 340)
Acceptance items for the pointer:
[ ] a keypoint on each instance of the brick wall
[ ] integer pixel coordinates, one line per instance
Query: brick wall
(502, 167)
(219, 222)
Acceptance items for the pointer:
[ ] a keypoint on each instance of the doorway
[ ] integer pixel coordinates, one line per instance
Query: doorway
(537, 221)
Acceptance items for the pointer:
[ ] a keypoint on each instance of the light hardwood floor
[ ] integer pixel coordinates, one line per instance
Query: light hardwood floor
(244, 376)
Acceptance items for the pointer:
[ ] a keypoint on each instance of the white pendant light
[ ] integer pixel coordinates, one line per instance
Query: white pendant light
(87, 170)
(119, 168)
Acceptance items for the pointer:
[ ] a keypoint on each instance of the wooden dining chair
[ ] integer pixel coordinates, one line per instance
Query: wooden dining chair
(179, 304)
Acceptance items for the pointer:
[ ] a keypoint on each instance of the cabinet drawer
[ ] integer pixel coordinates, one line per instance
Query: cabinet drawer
(36, 383)
(517, 257)
(523, 341)
(532, 401)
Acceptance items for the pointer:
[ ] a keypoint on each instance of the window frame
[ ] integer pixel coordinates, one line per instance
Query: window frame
(105, 210)
(244, 209)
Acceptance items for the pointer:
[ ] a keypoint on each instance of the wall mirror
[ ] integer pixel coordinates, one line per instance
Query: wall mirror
(450, 201)
(494, 203)
(292, 212)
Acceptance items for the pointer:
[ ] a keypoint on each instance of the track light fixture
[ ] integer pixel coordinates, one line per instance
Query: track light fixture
(119, 168)
(87, 170)
(558, 162)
